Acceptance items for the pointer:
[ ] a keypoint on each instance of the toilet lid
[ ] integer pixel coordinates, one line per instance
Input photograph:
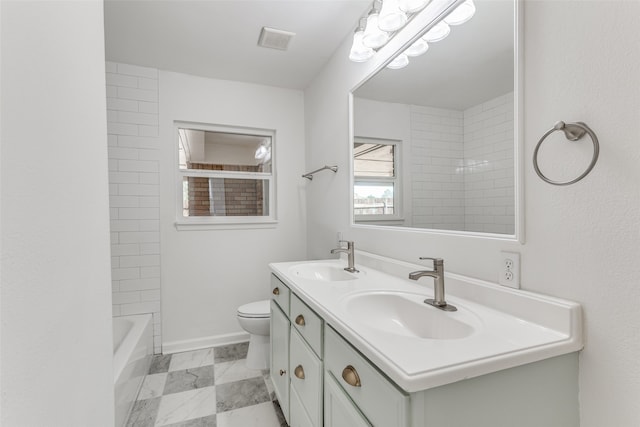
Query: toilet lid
(255, 309)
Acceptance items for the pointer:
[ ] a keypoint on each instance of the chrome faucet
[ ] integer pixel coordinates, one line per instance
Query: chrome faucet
(350, 255)
(438, 284)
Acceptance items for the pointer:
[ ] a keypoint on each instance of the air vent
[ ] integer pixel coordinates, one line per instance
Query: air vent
(275, 39)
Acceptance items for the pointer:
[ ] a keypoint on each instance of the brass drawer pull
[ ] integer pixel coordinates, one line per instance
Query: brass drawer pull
(350, 375)
(282, 372)
(299, 372)
(300, 320)
(276, 291)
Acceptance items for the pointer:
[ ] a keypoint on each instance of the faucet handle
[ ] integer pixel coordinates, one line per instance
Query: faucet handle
(436, 261)
(348, 242)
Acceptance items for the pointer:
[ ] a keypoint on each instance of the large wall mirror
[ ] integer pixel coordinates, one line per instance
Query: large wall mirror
(435, 144)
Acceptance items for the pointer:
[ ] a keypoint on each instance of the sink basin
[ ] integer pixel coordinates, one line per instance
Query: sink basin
(406, 314)
(321, 271)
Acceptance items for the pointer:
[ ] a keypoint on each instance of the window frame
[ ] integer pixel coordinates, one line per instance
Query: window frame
(396, 180)
(225, 222)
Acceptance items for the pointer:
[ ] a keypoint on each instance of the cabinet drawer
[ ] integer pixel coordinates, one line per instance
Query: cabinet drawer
(305, 321)
(305, 372)
(379, 400)
(280, 293)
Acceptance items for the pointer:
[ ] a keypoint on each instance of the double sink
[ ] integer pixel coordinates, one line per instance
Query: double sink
(418, 346)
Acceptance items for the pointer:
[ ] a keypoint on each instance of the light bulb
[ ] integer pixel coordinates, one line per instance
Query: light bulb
(419, 47)
(411, 6)
(359, 52)
(391, 18)
(400, 61)
(461, 14)
(373, 36)
(437, 32)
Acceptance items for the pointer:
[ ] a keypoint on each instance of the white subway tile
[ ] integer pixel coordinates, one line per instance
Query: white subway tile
(149, 225)
(137, 190)
(121, 80)
(124, 225)
(135, 70)
(150, 272)
(122, 129)
(151, 131)
(115, 262)
(112, 116)
(137, 94)
(148, 107)
(148, 84)
(149, 248)
(112, 140)
(112, 91)
(139, 261)
(139, 142)
(115, 310)
(149, 154)
(149, 178)
(139, 213)
(110, 67)
(124, 201)
(122, 104)
(140, 308)
(123, 153)
(127, 249)
(125, 273)
(139, 237)
(124, 177)
(139, 284)
(113, 213)
(125, 297)
(137, 118)
(151, 295)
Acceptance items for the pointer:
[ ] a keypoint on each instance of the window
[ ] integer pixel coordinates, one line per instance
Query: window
(376, 188)
(225, 175)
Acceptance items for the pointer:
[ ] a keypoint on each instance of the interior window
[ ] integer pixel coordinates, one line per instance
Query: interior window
(376, 186)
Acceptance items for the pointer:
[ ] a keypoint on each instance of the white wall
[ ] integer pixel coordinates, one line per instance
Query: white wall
(134, 202)
(583, 241)
(207, 274)
(56, 314)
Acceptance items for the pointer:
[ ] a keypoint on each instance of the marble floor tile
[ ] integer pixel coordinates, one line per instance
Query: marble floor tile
(209, 421)
(261, 415)
(236, 370)
(189, 379)
(191, 359)
(242, 393)
(278, 410)
(185, 406)
(144, 413)
(160, 363)
(152, 386)
(227, 353)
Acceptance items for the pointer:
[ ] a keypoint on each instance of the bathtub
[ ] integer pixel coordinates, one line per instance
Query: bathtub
(132, 353)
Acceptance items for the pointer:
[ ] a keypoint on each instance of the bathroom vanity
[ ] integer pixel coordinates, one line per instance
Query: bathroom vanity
(362, 349)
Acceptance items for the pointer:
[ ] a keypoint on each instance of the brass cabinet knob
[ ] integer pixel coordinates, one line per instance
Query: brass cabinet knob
(282, 372)
(350, 375)
(276, 291)
(299, 372)
(300, 320)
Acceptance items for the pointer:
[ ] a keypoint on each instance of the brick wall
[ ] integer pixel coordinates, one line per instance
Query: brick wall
(132, 126)
(230, 197)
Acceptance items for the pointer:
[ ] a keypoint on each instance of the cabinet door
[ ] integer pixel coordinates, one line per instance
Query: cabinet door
(280, 357)
(306, 377)
(299, 417)
(339, 410)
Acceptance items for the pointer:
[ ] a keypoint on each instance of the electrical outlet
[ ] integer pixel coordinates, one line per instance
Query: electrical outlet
(509, 269)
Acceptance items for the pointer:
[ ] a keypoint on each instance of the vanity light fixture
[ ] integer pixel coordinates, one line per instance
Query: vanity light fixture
(373, 36)
(461, 14)
(418, 47)
(388, 16)
(359, 52)
(412, 6)
(399, 61)
(438, 32)
(391, 18)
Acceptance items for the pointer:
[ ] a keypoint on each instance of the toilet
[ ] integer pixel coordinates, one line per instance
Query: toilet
(255, 318)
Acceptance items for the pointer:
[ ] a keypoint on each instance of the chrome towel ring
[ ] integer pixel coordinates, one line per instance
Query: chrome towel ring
(573, 132)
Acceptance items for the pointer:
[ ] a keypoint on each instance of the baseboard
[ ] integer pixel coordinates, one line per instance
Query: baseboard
(204, 342)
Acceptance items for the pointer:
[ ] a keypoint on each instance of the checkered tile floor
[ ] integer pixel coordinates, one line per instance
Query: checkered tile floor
(206, 388)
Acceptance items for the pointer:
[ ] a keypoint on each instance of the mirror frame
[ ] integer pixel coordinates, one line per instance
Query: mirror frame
(418, 26)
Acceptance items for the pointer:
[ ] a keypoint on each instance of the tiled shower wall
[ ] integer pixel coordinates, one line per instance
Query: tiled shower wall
(132, 125)
(437, 147)
(462, 167)
(488, 166)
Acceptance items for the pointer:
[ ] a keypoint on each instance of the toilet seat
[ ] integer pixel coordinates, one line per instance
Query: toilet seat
(255, 310)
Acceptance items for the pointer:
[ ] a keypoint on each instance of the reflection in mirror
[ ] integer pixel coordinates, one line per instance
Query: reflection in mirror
(450, 116)
(223, 173)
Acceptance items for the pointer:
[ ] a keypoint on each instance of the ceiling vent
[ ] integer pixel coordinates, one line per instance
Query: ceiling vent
(275, 39)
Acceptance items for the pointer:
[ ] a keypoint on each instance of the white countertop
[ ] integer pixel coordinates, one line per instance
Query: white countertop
(510, 327)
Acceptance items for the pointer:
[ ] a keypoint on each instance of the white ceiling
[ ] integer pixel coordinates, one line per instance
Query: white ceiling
(218, 38)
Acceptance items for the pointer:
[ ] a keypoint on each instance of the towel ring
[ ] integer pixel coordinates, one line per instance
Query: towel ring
(573, 132)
